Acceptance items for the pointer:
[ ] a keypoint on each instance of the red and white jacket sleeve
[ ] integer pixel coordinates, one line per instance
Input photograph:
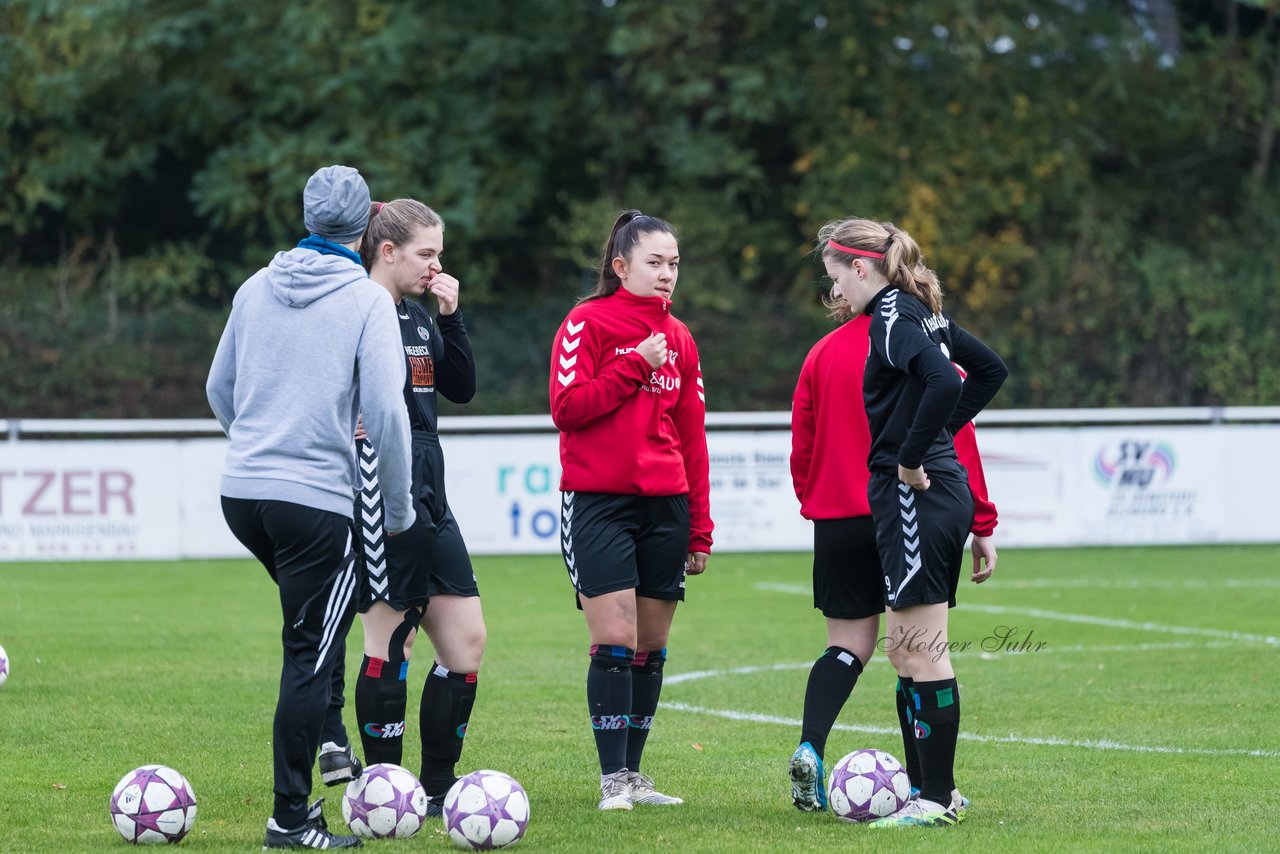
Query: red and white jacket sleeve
(984, 512)
(690, 418)
(579, 395)
(802, 430)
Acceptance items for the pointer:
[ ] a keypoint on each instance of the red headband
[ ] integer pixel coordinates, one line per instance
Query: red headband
(848, 250)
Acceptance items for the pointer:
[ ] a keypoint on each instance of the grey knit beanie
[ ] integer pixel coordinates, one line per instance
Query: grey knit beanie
(335, 204)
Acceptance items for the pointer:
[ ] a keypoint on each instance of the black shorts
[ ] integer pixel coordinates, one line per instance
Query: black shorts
(428, 559)
(920, 535)
(622, 542)
(848, 583)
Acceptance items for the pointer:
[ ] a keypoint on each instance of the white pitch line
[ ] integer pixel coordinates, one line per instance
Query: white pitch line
(694, 675)
(799, 589)
(1088, 744)
(1110, 622)
(1088, 584)
(1142, 584)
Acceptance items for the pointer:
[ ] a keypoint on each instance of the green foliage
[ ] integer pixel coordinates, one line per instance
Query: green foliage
(1088, 199)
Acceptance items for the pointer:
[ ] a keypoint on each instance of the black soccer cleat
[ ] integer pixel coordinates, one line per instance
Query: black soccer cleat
(311, 835)
(338, 765)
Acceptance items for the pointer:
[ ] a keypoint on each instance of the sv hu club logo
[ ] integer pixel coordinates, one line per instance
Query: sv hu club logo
(1137, 463)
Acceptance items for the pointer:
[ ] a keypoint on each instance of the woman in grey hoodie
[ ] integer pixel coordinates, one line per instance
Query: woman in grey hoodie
(311, 343)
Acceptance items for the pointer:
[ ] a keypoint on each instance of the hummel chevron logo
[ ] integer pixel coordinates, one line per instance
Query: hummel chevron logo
(567, 359)
(369, 465)
(369, 500)
(373, 553)
(379, 586)
(909, 517)
(373, 518)
(911, 545)
(566, 532)
(910, 530)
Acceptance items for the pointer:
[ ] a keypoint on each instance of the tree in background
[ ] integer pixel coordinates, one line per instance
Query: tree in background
(1095, 182)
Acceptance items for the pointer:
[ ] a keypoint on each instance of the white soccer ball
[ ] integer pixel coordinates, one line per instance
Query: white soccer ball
(153, 804)
(4, 666)
(866, 785)
(387, 802)
(486, 810)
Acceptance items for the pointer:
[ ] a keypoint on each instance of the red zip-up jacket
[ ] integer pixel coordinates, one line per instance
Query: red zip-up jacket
(830, 439)
(625, 427)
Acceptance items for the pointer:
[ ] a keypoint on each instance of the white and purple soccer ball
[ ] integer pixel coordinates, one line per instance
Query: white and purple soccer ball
(866, 785)
(153, 804)
(4, 666)
(387, 802)
(486, 810)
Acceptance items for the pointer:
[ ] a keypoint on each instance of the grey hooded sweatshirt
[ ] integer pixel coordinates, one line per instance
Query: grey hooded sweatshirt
(312, 342)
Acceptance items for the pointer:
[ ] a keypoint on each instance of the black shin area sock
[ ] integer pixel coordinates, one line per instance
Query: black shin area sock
(609, 702)
(831, 681)
(380, 703)
(646, 687)
(937, 723)
(905, 703)
(447, 699)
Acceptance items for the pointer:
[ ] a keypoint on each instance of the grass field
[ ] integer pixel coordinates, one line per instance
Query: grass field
(1146, 721)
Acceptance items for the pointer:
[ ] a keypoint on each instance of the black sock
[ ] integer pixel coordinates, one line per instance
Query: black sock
(447, 699)
(609, 702)
(831, 681)
(380, 703)
(905, 703)
(646, 687)
(937, 716)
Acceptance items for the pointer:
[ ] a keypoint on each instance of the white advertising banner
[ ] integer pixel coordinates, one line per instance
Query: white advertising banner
(90, 500)
(505, 491)
(1128, 485)
(1052, 486)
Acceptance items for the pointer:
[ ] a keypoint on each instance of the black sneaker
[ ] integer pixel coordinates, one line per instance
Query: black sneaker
(338, 765)
(310, 835)
(435, 806)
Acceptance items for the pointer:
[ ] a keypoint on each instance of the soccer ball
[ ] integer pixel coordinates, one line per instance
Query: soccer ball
(866, 785)
(153, 804)
(486, 810)
(4, 666)
(387, 802)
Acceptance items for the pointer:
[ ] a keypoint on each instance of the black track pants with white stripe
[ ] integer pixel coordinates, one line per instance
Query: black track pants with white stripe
(308, 554)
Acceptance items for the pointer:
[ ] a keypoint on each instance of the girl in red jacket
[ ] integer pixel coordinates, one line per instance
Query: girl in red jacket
(627, 396)
(830, 445)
